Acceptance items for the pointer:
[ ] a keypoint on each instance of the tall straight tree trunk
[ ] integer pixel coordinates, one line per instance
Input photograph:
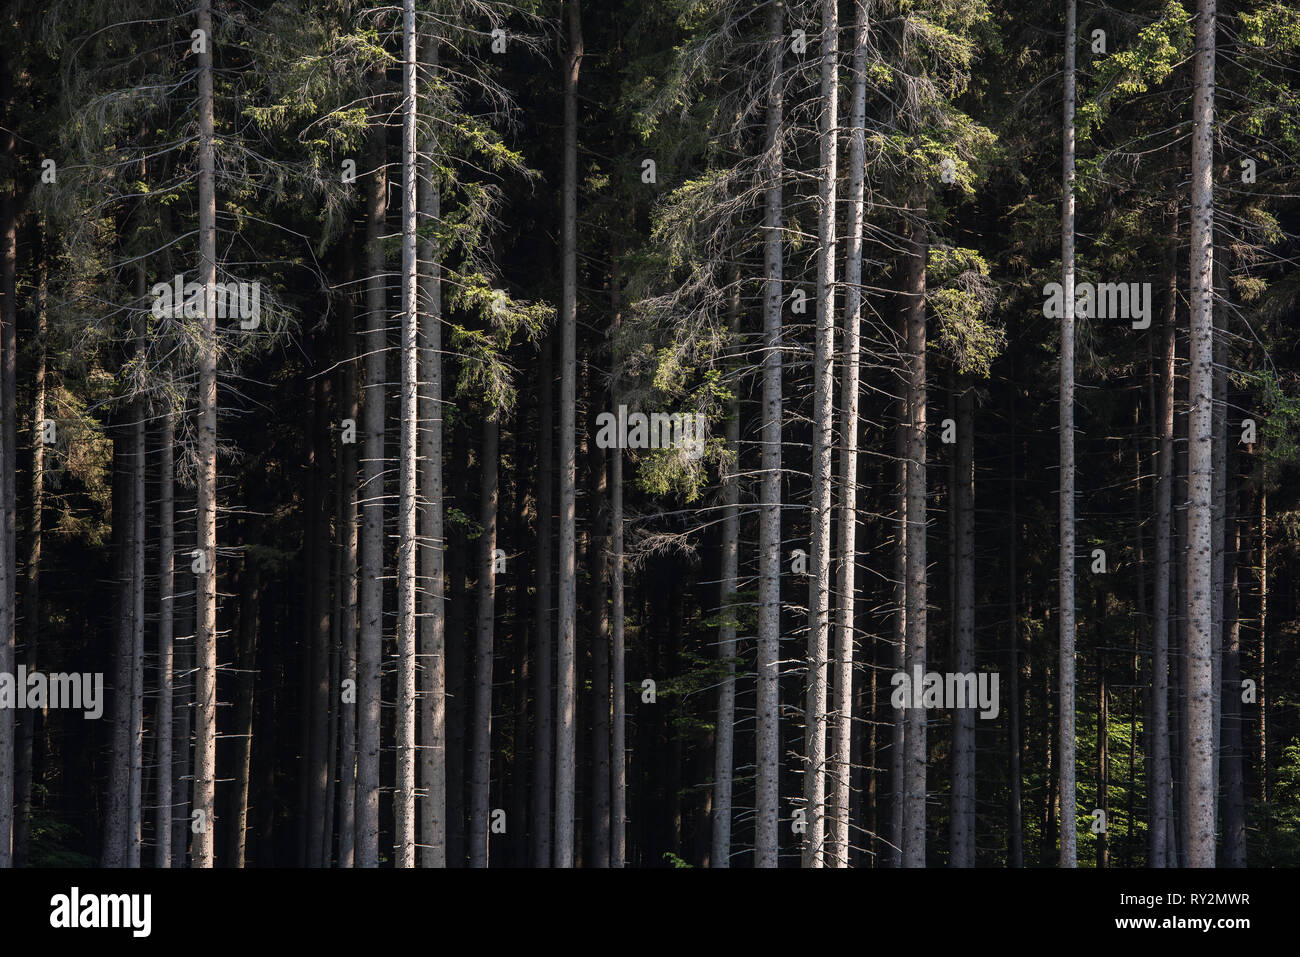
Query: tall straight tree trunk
(842, 734)
(404, 793)
(1218, 497)
(1015, 793)
(8, 466)
(237, 832)
(1065, 748)
(119, 776)
(915, 754)
(1159, 798)
(481, 734)
(724, 738)
(819, 584)
(205, 639)
(166, 610)
(182, 737)
(371, 585)
(963, 729)
(433, 618)
(597, 554)
(1234, 792)
(544, 667)
(618, 707)
(767, 703)
(318, 629)
(26, 722)
(1200, 646)
(566, 672)
(349, 407)
(135, 822)
(1261, 662)
(898, 731)
(1103, 732)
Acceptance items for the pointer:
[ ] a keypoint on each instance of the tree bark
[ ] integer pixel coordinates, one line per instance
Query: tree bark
(349, 407)
(1200, 646)
(767, 745)
(963, 740)
(166, 610)
(8, 470)
(566, 674)
(915, 754)
(371, 497)
(404, 792)
(819, 581)
(724, 738)
(1160, 796)
(1066, 747)
(433, 622)
(842, 734)
(481, 723)
(205, 640)
(544, 667)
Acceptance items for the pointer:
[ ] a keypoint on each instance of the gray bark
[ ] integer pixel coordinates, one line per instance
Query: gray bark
(767, 715)
(963, 735)
(819, 581)
(166, 609)
(481, 721)
(1200, 644)
(205, 640)
(1066, 716)
(404, 791)
(433, 620)
(371, 496)
(566, 674)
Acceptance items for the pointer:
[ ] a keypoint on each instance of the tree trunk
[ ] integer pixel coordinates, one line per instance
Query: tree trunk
(119, 776)
(1159, 798)
(1261, 664)
(963, 738)
(26, 723)
(1066, 756)
(724, 738)
(135, 822)
(767, 744)
(898, 731)
(915, 754)
(819, 582)
(1200, 646)
(349, 407)
(1234, 790)
(597, 553)
(566, 673)
(249, 599)
(166, 610)
(481, 740)
(618, 686)
(842, 735)
(371, 496)
(544, 667)
(404, 792)
(205, 639)
(8, 469)
(318, 628)
(433, 622)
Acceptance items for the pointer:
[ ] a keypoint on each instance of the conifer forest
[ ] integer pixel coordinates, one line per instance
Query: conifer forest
(649, 434)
